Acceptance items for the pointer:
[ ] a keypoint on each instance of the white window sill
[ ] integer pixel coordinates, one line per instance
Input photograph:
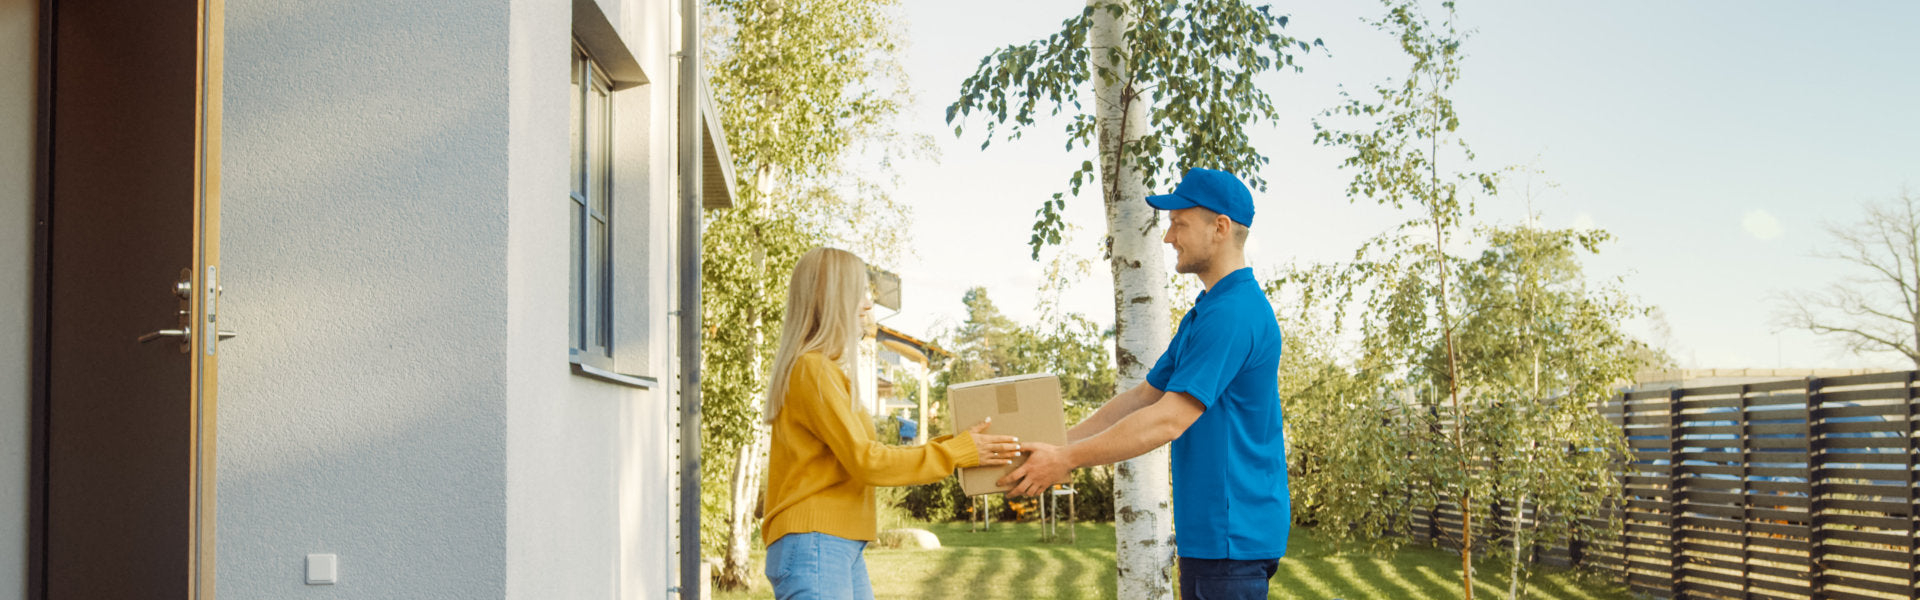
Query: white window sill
(588, 370)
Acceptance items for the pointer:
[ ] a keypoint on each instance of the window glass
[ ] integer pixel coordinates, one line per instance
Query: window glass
(590, 199)
(600, 297)
(576, 143)
(598, 146)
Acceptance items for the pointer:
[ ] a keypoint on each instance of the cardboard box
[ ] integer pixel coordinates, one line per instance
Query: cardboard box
(1024, 406)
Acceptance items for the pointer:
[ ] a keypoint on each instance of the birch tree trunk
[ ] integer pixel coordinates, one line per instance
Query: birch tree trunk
(745, 487)
(1518, 525)
(1142, 488)
(736, 571)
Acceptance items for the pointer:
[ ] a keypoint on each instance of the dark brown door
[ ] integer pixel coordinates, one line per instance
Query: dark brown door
(131, 205)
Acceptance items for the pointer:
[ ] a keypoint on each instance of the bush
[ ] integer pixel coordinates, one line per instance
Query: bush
(934, 502)
(943, 501)
(1093, 494)
(891, 514)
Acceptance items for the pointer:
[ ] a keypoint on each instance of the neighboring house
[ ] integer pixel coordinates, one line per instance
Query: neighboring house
(896, 376)
(448, 236)
(890, 355)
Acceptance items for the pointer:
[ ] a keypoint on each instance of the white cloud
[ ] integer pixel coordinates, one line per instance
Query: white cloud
(1761, 225)
(1583, 221)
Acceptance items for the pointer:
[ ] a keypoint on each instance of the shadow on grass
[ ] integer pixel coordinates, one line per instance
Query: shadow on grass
(1378, 572)
(1080, 572)
(944, 587)
(1315, 569)
(1028, 574)
(1009, 562)
(1311, 579)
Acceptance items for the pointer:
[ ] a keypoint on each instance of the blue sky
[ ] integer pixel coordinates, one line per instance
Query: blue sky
(1711, 138)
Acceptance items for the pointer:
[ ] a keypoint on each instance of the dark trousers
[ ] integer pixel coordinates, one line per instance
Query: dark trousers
(1225, 579)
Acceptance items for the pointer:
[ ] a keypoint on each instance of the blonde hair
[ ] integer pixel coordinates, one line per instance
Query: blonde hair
(823, 315)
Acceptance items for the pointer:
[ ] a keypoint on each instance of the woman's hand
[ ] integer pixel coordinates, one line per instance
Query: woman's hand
(995, 450)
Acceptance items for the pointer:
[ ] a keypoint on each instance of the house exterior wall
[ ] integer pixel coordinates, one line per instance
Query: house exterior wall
(589, 462)
(650, 475)
(396, 242)
(364, 410)
(866, 382)
(19, 30)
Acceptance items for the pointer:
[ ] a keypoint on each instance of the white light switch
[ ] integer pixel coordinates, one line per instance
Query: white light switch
(322, 569)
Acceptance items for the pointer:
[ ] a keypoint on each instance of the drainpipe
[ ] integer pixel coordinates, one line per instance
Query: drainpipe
(690, 215)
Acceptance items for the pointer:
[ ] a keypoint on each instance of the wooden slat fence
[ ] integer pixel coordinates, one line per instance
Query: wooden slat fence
(1791, 490)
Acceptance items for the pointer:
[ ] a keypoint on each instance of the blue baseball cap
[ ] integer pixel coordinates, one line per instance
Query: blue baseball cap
(1218, 191)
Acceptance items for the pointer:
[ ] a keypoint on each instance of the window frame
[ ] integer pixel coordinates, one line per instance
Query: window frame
(591, 208)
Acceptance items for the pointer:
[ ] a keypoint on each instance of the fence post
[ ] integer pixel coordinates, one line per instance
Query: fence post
(1675, 487)
(1620, 535)
(1816, 459)
(1433, 510)
(1913, 490)
(1746, 488)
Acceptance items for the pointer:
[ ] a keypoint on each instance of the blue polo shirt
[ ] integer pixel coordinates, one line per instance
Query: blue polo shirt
(1230, 495)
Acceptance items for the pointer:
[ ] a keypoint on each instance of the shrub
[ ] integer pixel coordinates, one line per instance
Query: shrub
(934, 502)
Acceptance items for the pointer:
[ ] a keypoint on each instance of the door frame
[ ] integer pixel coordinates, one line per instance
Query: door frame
(203, 370)
(210, 76)
(38, 446)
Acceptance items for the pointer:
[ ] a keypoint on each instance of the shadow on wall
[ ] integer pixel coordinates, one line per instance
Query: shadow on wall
(365, 219)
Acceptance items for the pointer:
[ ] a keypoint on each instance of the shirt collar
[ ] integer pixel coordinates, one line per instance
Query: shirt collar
(1239, 277)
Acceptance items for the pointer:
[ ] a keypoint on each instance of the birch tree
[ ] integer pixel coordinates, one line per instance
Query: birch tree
(1398, 156)
(805, 88)
(1173, 87)
(1353, 414)
(1877, 309)
(1540, 348)
(1536, 347)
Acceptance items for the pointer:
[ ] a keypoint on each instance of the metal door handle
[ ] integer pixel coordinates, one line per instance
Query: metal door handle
(164, 333)
(181, 333)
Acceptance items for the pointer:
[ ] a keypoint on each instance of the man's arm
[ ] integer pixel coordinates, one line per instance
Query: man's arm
(1117, 408)
(1133, 435)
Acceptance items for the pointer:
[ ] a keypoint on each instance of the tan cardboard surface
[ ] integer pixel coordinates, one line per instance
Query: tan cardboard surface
(1024, 406)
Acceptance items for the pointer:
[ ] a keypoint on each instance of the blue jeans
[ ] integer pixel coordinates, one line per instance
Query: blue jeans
(817, 566)
(1225, 579)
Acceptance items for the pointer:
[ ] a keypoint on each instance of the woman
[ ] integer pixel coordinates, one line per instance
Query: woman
(824, 463)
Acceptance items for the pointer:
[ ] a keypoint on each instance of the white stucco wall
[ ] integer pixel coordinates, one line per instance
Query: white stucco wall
(588, 460)
(660, 486)
(363, 410)
(19, 29)
(396, 250)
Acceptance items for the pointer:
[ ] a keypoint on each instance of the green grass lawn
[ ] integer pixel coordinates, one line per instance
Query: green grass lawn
(1010, 562)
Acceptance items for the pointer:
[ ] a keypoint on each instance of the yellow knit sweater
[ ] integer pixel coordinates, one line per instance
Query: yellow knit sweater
(824, 462)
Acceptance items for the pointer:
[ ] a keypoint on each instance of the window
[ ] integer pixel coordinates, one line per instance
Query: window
(590, 200)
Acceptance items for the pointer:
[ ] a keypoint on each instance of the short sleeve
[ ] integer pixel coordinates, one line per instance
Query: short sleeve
(1163, 368)
(1208, 358)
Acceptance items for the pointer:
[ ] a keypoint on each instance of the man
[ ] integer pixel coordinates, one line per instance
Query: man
(1213, 395)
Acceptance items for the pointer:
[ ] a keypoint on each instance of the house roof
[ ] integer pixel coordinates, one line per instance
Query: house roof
(907, 346)
(716, 168)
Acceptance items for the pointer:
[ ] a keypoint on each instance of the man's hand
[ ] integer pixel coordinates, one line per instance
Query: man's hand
(1046, 465)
